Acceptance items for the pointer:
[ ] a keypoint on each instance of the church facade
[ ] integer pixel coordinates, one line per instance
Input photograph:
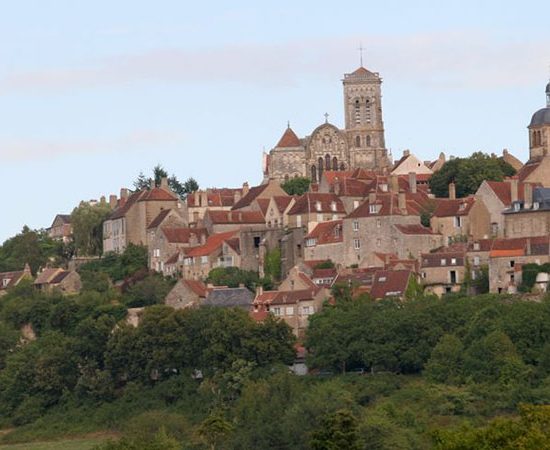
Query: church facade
(361, 144)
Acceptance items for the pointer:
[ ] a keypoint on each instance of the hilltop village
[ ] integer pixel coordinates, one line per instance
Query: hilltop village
(362, 220)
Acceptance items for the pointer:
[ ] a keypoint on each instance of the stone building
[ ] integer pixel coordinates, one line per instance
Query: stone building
(213, 199)
(61, 228)
(325, 241)
(530, 216)
(12, 279)
(57, 279)
(539, 130)
(313, 208)
(443, 271)
(360, 144)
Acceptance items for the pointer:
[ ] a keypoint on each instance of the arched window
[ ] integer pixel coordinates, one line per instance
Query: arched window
(368, 141)
(367, 110)
(320, 162)
(327, 161)
(358, 141)
(357, 112)
(313, 174)
(335, 163)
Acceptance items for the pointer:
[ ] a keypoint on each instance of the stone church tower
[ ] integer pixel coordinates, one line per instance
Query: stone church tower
(360, 144)
(539, 130)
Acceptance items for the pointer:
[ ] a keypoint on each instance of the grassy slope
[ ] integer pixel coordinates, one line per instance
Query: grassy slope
(68, 444)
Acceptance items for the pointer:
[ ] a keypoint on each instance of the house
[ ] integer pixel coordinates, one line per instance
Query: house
(213, 199)
(325, 241)
(507, 256)
(12, 279)
(61, 228)
(313, 208)
(530, 216)
(64, 281)
(391, 284)
(460, 218)
(129, 221)
(222, 221)
(270, 189)
(186, 293)
(276, 214)
(443, 271)
(193, 293)
(410, 163)
(226, 297)
(536, 171)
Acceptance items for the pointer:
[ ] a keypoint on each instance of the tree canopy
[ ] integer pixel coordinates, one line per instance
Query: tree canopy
(468, 174)
(87, 222)
(182, 189)
(296, 186)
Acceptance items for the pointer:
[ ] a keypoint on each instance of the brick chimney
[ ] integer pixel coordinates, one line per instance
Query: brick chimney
(246, 188)
(123, 193)
(412, 182)
(406, 152)
(112, 201)
(514, 189)
(197, 198)
(452, 190)
(528, 195)
(164, 184)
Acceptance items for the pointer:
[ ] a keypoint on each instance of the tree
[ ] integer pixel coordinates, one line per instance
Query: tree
(233, 277)
(181, 189)
(87, 221)
(151, 290)
(272, 264)
(469, 173)
(296, 186)
(446, 360)
(214, 430)
(34, 247)
(338, 430)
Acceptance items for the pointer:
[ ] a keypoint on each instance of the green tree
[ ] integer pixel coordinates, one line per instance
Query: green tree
(214, 430)
(181, 189)
(233, 277)
(446, 360)
(152, 290)
(272, 264)
(468, 173)
(87, 222)
(338, 430)
(296, 186)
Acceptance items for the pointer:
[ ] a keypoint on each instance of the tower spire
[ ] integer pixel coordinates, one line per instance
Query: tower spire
(361, 53)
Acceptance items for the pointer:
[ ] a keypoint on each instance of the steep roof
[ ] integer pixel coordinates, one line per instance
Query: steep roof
(229, 298)
(387, 204)
(157, 194)
(312, 202)
(282, 202)
(453, 207)
(213, 243)
(413, 229)
(250, 196)
(236, 217)
(503, 191)
(10, 279)
(198, 287)
(160, 217)
(47, 275)
(219, 197)
(182, 235)
(528, 169)
(390, 283)
(289, 139)
(327, 232)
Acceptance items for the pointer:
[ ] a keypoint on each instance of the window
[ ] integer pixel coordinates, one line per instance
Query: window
(307, 310)
(373, 209)
(516, 206)
(452, 277)
(277, 311)
(310, 242)
(358, 141)
(5, 282)
(187, 261)
(378, 242)
(512, 263)
(204, 259)
(355, 204)
(378, 223)
(474, 275)
(319, 217)
(318, 206)
(333, 206)
(453, 261)
(458, 221)
(367, 111)
(357, 112)
(298, 221)
(536, 205)
(443, 261)
(289, 311)
(356, 244)
(368, 141)
(423, 274)
(257, 240)
(156, 252)
(355, 225)
(476, 260)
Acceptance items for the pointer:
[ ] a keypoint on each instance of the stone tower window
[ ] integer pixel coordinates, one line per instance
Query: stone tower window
(357, 112)
(367, 111)
(358, 141)
(327, 161)
(335, 163)
(313, 174)
(368, 141)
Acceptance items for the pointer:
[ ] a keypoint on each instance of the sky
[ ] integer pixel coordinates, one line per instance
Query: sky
(93, 92)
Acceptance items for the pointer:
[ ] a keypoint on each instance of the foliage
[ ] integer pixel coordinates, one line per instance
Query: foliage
(337, 431)
(296, 186)
(152, 290)
(468, 174)
(117, 267)
(181, 189)
(87, 222)
(446, 360)
(272, 264)
(234, 277)
(34, 247)
(328, 264)
(529, 274)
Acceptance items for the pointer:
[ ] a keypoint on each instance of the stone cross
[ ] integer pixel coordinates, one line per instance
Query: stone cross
(326, 117)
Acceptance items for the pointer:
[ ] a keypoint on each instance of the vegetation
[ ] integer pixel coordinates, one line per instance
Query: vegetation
(182, 189)
(87, 222)
(529, 275)
(296, 186)
(116, 266)
(468, 174)
(234, 277)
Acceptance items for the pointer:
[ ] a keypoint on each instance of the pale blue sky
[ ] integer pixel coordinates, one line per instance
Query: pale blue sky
(93, 92)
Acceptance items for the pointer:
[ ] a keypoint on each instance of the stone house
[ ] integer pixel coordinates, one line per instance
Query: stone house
(265, 191)
(9, 280)
(222, 221)
(61, 228)
(325, 241)
(313, 208)
(443, 271)
(219, 250)
(186, 293)
(530, 217)
(64, 281)
(192, 293)
(391, 284)
(276, 214)
(372, 228)
(129, 221)
(507, 256)
(410, 163)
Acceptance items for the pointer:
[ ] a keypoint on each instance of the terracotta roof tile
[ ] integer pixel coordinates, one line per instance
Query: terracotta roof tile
(453, 207)
(157, 194)
(182, 235)
(289, 139)
(390, 283)
(213, 243)
(198, 287)
(327, 232)
(387, 204)
(528, 169)
(236, 217)
(158, 220)
(317, 203)
(251, 195)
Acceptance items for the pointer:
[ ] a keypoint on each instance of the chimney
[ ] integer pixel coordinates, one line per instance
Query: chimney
(528, 246)
(102, 199)
(230, 216)
(406, 152)
(112, 201)
(259, 290)
(164, 183)
(412, 182)
(152, 184)
(246, 188)
(514, 189)
(372, 197)
(123, 193)
(27, 269)
(394, 183)
(402, 202)
(528, 195)
(203, 238)
(452, 190)
(204, 198)
(337, 187)
(197, 198)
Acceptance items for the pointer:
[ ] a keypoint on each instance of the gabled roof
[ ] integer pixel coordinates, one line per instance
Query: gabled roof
(157, 194)
(388, 205)
(316, 202)
(126, 205)
(413, 229)
(327, 232)
(528, 169)
(453, 207)
(213, 243)
(64, 218)
(198, 287)
(503, 191)
(12, 278)
(289, 139)
(263, 204)
(236, 217)
(286, 297)
(390, 283)
(216, 197)
(160, 217)
(251, 195)
(282, 202)
(229, 297)
(47, 275)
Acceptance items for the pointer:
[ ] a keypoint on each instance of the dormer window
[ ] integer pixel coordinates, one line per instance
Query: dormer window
(333, 206)
(443, 261)
(318, 206)
(517, 206)
(373, 209)
(536, 205)
(384, 187)
(381, 279)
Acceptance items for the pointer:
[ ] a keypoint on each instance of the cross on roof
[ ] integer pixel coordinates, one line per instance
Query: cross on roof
(326, 117)
(361, 53)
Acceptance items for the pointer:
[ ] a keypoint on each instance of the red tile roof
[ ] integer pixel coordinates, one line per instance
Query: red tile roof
(285, 297)
(503, 191)
(236, 217)
(157, 194)
(182, 235)
(11, 278)
(216, 197)
(289, 139)
(390, 283)
(455, 207)
(447, 255)
(213, 243)
(528, 169)
(282, 202)
(263, 204)
(160, 217)
(251, 195)
(327, 232)
(413, 229)
(198, 287)
(309, 202)
(388, 204)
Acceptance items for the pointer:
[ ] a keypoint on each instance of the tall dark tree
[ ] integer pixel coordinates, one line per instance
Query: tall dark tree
(182, 189)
